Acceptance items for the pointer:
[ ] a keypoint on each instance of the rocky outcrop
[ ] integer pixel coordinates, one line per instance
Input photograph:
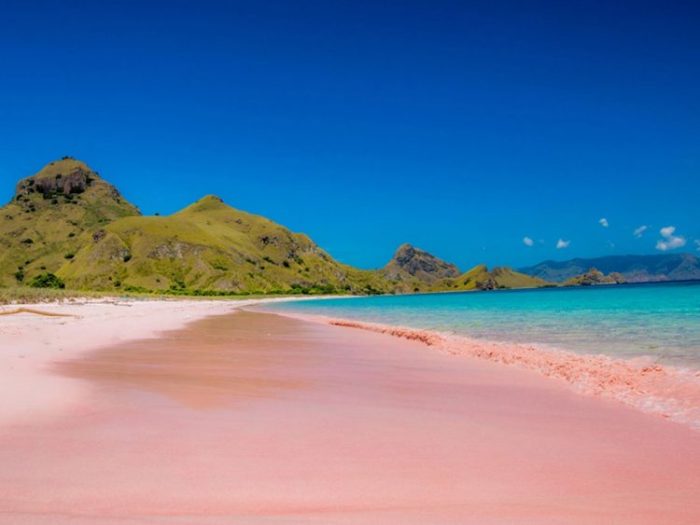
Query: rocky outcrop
(77, 181)
(409, 260)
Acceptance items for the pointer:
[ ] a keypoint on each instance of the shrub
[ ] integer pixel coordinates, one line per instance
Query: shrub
(47, 280)
(136, 289)
(177, 285)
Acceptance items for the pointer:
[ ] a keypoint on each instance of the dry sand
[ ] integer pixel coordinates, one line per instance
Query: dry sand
(255, 418)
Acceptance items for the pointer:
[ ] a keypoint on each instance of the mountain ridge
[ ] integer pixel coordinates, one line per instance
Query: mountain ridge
(634, 268)
(68, 222)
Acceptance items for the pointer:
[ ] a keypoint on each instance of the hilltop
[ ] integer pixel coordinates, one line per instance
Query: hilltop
(45, 223)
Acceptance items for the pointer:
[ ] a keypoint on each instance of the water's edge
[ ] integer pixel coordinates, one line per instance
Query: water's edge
(666, 391)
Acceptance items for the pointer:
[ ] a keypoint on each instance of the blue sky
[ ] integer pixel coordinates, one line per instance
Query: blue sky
(461, 127)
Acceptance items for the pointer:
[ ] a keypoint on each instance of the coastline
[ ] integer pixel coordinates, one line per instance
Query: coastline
(662, 390)
(277, 419)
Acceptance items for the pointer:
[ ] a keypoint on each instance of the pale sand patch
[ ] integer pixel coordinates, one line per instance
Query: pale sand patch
(34, 336)
(253, 418)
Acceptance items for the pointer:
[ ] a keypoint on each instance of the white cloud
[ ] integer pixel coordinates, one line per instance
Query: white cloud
(670, 241)
(604, 222)
(638, 232)
(527, 241)
(561, 243)
(667, 231)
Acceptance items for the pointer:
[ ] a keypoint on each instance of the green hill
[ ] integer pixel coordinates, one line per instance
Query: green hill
(42, 228)
(210, 246)
(480, 278)
(66, 225)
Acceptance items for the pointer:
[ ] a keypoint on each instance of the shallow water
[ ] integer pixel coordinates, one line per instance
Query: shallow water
(660, 320)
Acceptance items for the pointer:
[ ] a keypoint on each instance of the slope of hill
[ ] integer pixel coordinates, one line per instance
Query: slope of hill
(413, 268)
(634, 268)
(66, 220)
(480, 278)
(210, 246)
(41, 228)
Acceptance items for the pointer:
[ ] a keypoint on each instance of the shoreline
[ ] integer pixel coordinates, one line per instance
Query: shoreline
(273, 419)
(663, 390)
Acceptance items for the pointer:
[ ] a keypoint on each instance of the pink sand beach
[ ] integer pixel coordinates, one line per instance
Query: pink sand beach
(200, 413)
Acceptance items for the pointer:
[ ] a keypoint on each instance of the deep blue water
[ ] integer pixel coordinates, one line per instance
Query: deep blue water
(658, 320)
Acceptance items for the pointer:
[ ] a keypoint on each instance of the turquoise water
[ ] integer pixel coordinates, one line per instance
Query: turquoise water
(657, 320)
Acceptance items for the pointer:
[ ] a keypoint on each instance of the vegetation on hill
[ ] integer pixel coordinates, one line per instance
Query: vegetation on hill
(67, 222)
(67, 227)
(210, 247)
(43, 226)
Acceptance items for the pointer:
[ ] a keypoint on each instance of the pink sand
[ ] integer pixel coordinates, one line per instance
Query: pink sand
(667, 391)
(256, 418)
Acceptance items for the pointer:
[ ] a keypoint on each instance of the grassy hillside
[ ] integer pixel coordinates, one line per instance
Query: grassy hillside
(67, 227)
(209, 246)
(480, 278)
(44, 224)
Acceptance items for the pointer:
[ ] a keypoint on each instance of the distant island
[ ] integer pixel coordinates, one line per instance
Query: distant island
(631, 268)
(68, 227)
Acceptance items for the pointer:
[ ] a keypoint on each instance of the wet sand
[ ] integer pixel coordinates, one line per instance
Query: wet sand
(256, 418)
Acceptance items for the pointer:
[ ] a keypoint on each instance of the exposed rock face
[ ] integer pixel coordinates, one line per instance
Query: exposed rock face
(420, 264)
(487, 284)
(65, 179)
(77, 181)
